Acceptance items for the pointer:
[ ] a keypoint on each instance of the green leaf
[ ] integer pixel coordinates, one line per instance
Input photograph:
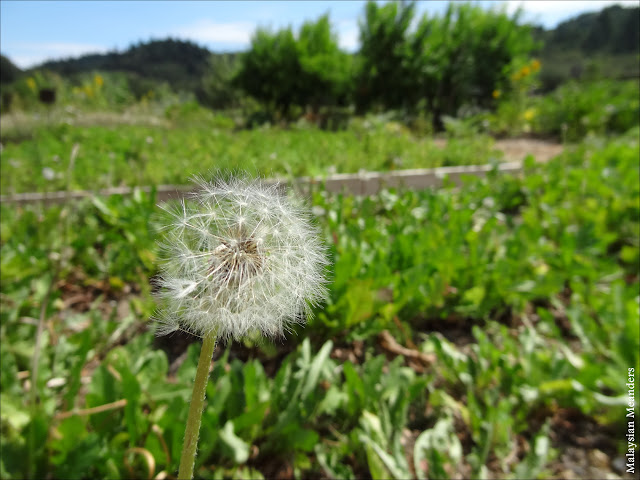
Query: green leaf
(255, 388)
(333, 400)
(377, 468)
(313, 374)
(299, 438)
(239, 448)
(474, 295)
(330, 461)
(109, 215)
(560, 386)
(69, 434)
(132, 411)
(382, 464)
(357, 396)
(14, 412)
(86, 343)
(538, 457)
(436, 447)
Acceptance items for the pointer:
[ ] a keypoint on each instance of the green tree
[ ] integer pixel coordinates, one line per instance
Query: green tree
(282, 71)
(461, 58)
(270, 70)
(326, 69)
(383, 73)
(442, 64)
(468, 54)
(217, 89)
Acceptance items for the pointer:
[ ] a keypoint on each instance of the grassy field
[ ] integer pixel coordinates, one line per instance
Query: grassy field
(476, 332)
(119, 153)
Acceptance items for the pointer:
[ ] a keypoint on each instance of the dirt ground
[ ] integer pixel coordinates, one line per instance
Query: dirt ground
(516, 149)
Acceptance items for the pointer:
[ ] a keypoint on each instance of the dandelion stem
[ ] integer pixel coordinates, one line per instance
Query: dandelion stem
(187, 460)
(33, 393)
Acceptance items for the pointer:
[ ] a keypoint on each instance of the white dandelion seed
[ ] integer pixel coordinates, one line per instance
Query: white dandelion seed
(239, 256)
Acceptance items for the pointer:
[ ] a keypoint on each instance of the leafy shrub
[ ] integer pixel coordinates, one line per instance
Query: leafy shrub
(283, 70)
(574, 110)
(445, 63)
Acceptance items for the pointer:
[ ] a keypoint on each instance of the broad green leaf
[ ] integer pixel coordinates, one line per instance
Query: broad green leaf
(14, 412)
(395, 466)
(239, 449)
(436, 447)
(313, 374)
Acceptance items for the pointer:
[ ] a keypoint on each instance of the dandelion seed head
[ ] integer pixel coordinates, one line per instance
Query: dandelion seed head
(238, 256)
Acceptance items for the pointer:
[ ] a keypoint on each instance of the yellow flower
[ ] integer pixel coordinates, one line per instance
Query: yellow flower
(98, 80)
(524, 71)
(535, 65)
(31, 83)
(529, 114)
(88, 91)
(496, 94)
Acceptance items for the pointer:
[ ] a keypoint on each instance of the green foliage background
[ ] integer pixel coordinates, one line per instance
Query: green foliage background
(541, 271)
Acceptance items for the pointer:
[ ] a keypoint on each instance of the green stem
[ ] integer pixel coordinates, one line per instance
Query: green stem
(33, 393)
(188, 458)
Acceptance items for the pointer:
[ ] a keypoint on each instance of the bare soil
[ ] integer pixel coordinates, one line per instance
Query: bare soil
(517, 149)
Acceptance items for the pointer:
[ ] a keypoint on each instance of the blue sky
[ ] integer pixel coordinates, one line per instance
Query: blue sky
(34, 31)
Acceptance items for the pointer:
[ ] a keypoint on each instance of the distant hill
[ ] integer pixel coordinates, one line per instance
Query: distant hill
(613, 30)
(8, 71)
(592, 45)
(179, 63)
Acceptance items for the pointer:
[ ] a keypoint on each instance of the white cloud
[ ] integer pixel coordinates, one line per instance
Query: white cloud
(208, 31)
(30, 54)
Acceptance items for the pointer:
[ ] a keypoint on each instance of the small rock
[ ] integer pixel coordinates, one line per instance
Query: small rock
(619, 464)
(598, 459)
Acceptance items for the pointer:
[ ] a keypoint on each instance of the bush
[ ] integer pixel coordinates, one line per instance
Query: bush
(285, 71)
(446, 63)
(575, 110)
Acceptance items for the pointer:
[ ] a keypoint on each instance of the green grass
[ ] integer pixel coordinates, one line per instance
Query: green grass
(166, 143)
(116, 155)
(523, 291)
